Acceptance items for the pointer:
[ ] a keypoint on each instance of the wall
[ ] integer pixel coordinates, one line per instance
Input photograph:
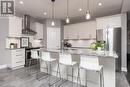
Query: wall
(124, 41)
(4, 54)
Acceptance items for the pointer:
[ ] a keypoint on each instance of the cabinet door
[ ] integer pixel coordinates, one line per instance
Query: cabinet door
(53, 38)
(115, 22)
(39, 30)
(15, 26)
(18, 26)
(102, 23)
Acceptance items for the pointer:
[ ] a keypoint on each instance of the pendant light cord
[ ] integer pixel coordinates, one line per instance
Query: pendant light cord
(53, 10)
(67, 8)
(88, 5)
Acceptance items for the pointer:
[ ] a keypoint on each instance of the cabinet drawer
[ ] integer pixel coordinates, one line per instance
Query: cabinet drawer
(19, 63)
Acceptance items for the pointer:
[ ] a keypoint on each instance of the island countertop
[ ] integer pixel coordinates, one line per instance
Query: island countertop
(89, 52)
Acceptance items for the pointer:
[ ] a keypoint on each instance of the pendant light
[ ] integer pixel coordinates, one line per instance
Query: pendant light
(88, 13)
(67, 17)
(53, 23)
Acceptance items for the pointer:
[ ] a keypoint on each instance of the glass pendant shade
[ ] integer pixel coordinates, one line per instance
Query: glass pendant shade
(88, 15)
(52, 23)
(67, 20)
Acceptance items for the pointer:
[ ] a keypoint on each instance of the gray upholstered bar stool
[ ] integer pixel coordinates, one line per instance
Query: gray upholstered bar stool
(91, 63)
(66, 60)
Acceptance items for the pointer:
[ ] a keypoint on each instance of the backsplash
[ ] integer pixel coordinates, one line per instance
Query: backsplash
(81, 43)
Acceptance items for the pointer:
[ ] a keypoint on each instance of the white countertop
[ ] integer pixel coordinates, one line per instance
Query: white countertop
(88, 52)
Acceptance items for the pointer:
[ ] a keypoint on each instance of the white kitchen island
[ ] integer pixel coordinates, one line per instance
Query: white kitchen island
(107, 59)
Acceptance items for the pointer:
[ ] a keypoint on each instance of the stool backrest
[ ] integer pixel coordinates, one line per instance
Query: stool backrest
(46, 56)
(65, 58)
(89, 61)
(34, 54)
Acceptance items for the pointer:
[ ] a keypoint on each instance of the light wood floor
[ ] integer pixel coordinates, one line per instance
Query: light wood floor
(25, 77)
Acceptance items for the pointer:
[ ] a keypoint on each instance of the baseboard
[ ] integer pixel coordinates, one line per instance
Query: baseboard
(124, 69)
(3, 66)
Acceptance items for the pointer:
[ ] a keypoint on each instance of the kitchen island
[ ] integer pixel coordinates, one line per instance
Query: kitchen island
(106, 58)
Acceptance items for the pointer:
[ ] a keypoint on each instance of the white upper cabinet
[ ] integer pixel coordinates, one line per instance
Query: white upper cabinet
(38, 27)
(15, 27)
(84, 30)
(109, 22)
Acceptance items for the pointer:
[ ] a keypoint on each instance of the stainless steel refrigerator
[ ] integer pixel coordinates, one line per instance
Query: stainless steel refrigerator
(112, 39)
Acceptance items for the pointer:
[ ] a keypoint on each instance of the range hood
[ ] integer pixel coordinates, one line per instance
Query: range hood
(26, 26)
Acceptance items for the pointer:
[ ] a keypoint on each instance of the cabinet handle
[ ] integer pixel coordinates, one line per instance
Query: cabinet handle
(19, 62)
(18, 54)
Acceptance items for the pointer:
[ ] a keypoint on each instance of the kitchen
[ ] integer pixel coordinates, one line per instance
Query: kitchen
(29, 30)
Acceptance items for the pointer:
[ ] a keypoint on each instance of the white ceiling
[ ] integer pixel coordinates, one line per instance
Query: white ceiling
(36, 8)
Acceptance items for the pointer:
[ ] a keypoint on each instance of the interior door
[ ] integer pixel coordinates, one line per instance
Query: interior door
(53, 38)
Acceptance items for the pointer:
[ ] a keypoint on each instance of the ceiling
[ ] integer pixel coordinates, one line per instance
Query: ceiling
(36, 8)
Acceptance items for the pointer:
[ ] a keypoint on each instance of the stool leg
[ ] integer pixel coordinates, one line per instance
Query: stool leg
(46, 67)
(86, 79)
(50, 74)
(72, 74)
(78, 78)
(37, 68)
(102, 78)
(67, 71)
(58, 70)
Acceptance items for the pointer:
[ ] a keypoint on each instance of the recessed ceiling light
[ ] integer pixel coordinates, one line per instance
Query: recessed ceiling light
(80, 9)
(21, 2)
(99, 4)
(45, 13)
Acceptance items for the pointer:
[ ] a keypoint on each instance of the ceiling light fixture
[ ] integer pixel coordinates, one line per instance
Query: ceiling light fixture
(80, 9)
(99, 4)
(67, 18)
(53, 23)
(21, 2)
(88, 13)
(45, 13)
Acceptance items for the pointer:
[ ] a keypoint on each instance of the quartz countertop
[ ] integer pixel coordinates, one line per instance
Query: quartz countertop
(88, 52)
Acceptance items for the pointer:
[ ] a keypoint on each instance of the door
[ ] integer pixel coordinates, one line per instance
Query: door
(53, 38)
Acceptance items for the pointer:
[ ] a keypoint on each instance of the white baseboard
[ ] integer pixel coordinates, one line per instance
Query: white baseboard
(3, 66)
(124, 69)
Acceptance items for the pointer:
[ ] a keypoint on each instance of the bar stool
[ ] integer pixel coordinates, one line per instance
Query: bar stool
(66, 60)
(92, 63)
(47, 59)
(35, 55)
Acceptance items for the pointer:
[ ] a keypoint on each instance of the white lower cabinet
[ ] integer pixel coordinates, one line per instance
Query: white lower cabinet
(17, 58)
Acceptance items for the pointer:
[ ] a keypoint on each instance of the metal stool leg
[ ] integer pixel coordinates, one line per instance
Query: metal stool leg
(78, 78)
(86, 79)
(102, 78)
(72, 75)
(38, 61)
(58, 71)
(49, 74)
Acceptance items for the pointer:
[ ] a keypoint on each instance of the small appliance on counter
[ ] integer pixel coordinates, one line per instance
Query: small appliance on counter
(13, 45)
(67, 44)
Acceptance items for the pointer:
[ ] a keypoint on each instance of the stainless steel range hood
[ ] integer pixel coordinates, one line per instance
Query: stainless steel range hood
(26, 26)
